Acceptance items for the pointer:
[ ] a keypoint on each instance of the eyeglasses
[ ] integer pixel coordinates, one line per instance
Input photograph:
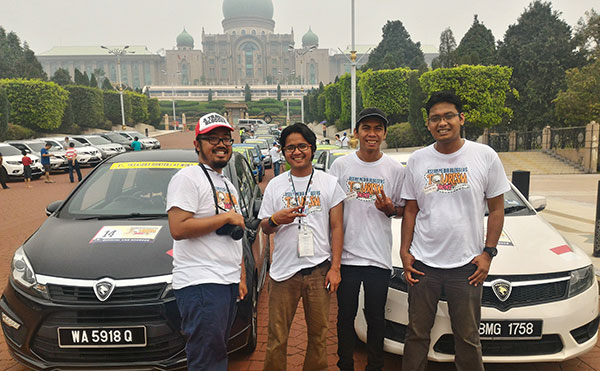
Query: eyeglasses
(215, 140)
(303, 147)
(447, 117)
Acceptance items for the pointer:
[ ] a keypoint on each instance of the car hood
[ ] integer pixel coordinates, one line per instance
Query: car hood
(64, 248)
(528, 245)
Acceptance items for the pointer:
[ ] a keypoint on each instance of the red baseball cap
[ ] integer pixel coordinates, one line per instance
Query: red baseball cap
(210, 122)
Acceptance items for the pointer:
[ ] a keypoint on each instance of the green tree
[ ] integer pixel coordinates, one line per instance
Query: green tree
(16, 60)
(482, 89)
(4, 111)
(580, 102)
(333, 104)
(539, 63)
(210, 95)
(278, 92)
(395, 49)
(247, 93)
(112, 107)
(402, 135)
(139, 107)
(386, 90)
(416, 101)
(447, 47)
(346, 98)
(93, 81)
(87, 105)
(154, 116)
(31, 67)
(35, 104)
(79, 79)
(587, 34)
(62, 77)
(477, 46)
(106, 85)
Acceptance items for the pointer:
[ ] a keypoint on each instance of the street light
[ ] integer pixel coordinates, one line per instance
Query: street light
(119, 53)
(301, 53)
(287, 93)
(172, 92)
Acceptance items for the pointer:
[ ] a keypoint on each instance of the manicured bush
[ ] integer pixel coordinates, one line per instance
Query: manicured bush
(87, 105)
(139, 107)
(388, 91)
(154, 116)
(402, 135)
(112, 107)
(17, 132)
(4, 111)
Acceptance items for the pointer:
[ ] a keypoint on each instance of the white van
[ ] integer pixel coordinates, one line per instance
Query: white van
(250, 123)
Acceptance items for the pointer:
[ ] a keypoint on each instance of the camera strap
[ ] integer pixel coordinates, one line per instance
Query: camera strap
(214, 190)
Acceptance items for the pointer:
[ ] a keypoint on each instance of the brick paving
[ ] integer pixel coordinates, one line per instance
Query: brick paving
(23, 213)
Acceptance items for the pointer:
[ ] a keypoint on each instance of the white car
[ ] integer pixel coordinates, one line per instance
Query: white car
(34, 146)
(11, 160)
(540, 300)
(86, 155)
(106, 147)
(147, 142)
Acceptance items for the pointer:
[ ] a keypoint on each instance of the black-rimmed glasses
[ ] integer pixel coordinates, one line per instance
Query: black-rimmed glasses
(303, 147)
(215, 140)
(447, 117)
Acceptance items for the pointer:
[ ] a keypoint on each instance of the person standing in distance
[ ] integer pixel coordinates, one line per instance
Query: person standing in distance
(45, 160)
(208, 270)
(275, 153)
(447, 187)
(304, 208)
(3, 174)
(136, 144)
(71, 156)
(372, 182)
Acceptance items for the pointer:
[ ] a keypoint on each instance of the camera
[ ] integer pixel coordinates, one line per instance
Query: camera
(235, 231)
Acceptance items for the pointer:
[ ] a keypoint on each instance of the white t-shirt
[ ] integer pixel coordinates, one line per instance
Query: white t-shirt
(344, 141)
(209, 258)
(324, 194)
(275, 154)
(368, 231)
(451, 191)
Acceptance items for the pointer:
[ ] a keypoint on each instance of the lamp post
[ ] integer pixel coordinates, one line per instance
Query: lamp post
(119, 53)
(301, 53)
(172, 92)
(287, 98)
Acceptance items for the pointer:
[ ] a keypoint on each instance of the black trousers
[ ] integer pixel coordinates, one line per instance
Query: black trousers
(375, 282)
(3, 177)
(76, 167)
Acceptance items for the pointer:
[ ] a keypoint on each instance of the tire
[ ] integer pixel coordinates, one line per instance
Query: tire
(253, 330)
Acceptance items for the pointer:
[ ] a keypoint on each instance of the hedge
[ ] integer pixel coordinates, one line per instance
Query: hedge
(402, 135)
(112, 107)
(139, 107)
(386, 90)
(4, 111)
(87, 105)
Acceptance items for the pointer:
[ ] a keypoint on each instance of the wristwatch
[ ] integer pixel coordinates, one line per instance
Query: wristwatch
(492, 251)
(272, 222)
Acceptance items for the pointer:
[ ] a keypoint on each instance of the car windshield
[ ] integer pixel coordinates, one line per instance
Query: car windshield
(115, 137)
(36, 147)
(262, 144)
(335, 155)
(98, 140)
(9, 151)
(513, 205)
(126, 136)
(136, 134)
(77, 143)
(130, 189)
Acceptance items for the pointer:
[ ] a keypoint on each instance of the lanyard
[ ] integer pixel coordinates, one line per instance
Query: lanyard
(217, 207)
(305, 194)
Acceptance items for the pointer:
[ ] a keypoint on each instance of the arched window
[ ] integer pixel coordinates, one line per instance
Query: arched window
(312, 74)
(185, 74)
(248, 49)
(243, 32)
(253, 32)
(233, 33)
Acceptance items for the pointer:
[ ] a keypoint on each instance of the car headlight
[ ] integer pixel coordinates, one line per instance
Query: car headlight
(13, 162)
(23, 275)
(397, 280)
(581, 280)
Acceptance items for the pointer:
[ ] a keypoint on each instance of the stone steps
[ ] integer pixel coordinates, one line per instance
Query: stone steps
(537, 163)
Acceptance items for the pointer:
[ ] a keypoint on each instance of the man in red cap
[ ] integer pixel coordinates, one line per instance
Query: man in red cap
(207, 274)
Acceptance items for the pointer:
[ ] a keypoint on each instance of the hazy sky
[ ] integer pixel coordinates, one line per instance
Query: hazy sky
(156, 24)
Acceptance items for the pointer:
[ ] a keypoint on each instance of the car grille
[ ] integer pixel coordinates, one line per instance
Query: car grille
(164, 341)
(77, 294)
(548, 344)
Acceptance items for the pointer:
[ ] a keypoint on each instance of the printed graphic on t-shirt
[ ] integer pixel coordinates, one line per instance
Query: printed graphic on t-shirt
(311, 205)
(225, 201)
(446, 180)
(363, 188)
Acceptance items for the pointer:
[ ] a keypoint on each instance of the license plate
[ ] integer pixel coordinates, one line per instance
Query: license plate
(102, 337)
(515, 329)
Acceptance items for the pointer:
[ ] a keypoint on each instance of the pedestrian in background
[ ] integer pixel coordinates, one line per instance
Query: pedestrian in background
(338, 142)
(344, 141)
(26, 161)
(45, 160)
(3, 174)
(275, 153)
(207, 278)
(304, 208)
(73, 163)
(447, 188)
(65, 143)
(372, 182)
(136, 144)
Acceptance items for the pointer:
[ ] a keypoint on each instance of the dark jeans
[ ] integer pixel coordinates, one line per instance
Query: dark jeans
(464, 307)
(375, 283)
(207, 311)
(3, 177)
(76, 167)
(276, 167)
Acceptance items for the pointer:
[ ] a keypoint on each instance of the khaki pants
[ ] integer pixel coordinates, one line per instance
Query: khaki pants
(283, 301)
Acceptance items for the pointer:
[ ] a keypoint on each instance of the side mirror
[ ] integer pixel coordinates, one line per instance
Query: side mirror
(52, 207)
(86, 144)
(538, 202)
(319, 166)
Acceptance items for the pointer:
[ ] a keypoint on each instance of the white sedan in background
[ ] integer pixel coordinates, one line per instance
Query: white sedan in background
(540, 300)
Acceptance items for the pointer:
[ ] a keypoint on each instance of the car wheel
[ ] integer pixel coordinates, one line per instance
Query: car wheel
(253, 335)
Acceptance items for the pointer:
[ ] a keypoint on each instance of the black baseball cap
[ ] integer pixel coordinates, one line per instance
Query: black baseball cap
(372, 112)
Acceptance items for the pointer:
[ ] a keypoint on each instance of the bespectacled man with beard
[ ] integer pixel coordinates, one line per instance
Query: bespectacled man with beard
(443, 247)
(372, 182)
(304, 208)
(208, 272)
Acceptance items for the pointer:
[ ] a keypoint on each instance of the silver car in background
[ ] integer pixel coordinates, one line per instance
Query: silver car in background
(106, 147)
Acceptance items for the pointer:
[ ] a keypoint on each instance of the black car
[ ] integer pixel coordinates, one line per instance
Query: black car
(91, 288)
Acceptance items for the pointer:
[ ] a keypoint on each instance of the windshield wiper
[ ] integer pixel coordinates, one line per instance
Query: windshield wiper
(136, 216)
(513, 209)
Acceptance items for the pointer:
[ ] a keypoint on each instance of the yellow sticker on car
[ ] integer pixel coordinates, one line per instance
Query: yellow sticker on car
(151, 165)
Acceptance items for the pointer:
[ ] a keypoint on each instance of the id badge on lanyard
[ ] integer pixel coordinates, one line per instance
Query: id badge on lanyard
(306, 245)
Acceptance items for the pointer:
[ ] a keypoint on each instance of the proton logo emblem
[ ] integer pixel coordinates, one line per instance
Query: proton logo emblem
(502, 289)
(104, 288)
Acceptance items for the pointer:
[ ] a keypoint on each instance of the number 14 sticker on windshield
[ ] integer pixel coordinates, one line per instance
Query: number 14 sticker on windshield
(126, 233)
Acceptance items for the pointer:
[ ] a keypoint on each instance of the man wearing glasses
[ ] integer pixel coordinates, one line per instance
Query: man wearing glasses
(447, 187)
(207, 275)
(304, 208)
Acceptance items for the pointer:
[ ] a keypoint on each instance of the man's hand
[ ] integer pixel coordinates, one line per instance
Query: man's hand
(287, 216)
(333, 279)
(483, 263)
(407, 263)
(384, 204)
(235, 218)
(242, 289)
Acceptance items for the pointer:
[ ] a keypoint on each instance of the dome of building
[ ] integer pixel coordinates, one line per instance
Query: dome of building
(248, 8)
(185, 40)
(309, 39)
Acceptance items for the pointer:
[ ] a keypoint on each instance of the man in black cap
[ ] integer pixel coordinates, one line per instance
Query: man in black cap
(372, 182)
